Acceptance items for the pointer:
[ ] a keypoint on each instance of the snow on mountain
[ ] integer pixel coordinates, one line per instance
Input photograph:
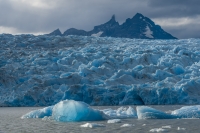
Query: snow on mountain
(43, 70)
(97, 34)
(148, 33)
(138, 26)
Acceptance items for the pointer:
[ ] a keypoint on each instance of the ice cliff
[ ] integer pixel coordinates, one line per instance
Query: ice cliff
(43, 70)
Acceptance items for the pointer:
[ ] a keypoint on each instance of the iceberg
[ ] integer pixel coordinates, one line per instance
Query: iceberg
(158, 130)
(70, 110)
(92, 125)
(120, 113)
(40, 113)
(187, 112)
(114, 121)
(145, 112)
(127, 125)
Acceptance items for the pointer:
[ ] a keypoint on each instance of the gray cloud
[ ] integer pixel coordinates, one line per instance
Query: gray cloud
(43, 16)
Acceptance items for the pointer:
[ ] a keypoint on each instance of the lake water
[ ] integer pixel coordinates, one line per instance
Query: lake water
(10, 122)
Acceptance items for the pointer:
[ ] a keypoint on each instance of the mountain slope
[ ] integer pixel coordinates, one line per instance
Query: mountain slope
(139, 27)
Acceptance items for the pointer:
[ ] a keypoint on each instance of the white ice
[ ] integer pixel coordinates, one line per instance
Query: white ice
(127, 125)
(92, 125)
(169, 126)
(179, 128)
(121, 112)
(158, 130)
(114, 121)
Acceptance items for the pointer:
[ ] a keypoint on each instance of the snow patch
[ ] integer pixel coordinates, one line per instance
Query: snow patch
(97, 34)
(148, 32)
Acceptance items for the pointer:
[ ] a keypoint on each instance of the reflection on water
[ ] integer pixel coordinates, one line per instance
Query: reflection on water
(10, 122)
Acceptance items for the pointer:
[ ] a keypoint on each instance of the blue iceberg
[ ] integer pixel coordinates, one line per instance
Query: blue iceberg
(145, 112)
(187, 112)
(40, 113)
(70, 110)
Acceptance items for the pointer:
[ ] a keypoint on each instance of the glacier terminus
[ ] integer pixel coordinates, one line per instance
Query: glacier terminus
(44, 70)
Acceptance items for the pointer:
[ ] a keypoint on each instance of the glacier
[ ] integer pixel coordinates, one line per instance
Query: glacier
(44, 70)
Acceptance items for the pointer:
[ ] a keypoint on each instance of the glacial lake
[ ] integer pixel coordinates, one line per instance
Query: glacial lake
(10, 122)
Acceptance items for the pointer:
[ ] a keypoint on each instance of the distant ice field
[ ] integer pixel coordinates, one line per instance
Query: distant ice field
(43, 70)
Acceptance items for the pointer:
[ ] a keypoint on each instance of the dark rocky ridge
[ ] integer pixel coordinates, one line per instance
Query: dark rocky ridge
(139, 26)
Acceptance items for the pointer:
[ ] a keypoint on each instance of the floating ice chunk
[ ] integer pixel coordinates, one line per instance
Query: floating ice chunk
(144, 125)
(40, 113)
(127, 125)
(166, 126)
(158, 130)
(179, 128)
(92, 125)
(70, 110)
(145, 112)
(121, 112)
(114, 121)
(187, 112)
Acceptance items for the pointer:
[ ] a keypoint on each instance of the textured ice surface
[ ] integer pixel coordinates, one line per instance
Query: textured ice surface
(43, 70)
(92, 125)
(121, 112)
(40, 113)
(144, 112)
(187, 112)
(69, 110)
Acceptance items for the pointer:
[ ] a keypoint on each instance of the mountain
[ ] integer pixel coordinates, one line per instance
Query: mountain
(55, 33)
(139, 27)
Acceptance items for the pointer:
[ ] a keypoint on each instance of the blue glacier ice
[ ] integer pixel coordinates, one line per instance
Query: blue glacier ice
(70, 110)
(74, 111)
(44, 70)
(40, 113)
(187, 112)
(145, 112)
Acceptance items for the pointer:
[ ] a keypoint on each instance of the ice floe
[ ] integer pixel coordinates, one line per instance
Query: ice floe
(114, 121)
(187, 112)
(92, 125)
(158, 130)
(127, 125)
(145, 112)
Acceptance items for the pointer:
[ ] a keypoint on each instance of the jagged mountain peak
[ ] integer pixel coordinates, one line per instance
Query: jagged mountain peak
(55, 32)
(138, 26)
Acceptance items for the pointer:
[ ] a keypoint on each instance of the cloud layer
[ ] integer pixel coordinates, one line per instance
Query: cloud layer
(181, 18)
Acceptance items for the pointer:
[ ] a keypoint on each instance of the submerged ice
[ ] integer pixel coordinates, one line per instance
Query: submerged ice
(43, 70)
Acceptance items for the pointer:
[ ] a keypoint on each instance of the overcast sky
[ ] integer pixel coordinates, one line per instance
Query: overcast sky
(181, 18)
